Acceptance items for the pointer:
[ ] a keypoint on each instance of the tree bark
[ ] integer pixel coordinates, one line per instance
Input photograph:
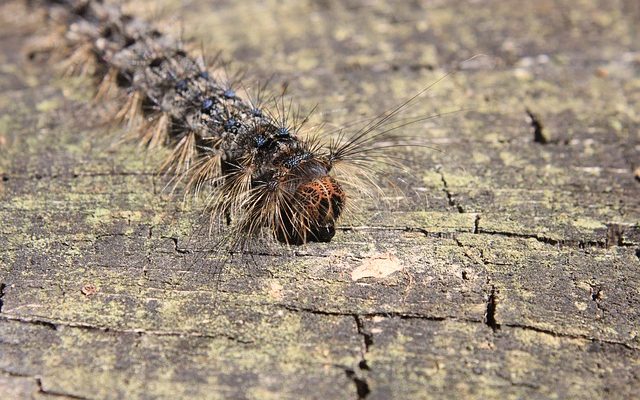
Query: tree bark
(505, 263)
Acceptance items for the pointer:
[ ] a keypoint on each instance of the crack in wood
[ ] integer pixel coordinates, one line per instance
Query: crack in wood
(367, 336)
(2, 288)
(412, 316)
(55, 324)
(477, 229)
(49, 392)
(571, 336)
(40, 385)
(490, 312)
(476, 224)
(615, 236)
(538, 129)
(362, 386)
(360, 379)
(450, 198)
(74, 175)
(580, 244)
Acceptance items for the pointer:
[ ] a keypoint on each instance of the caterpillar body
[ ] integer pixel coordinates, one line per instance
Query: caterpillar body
(258, 169)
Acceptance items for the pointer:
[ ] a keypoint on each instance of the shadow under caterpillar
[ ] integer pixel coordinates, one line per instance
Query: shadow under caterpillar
(258, 170)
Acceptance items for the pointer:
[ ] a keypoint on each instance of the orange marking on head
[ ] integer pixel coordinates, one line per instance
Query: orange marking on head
(323, 199)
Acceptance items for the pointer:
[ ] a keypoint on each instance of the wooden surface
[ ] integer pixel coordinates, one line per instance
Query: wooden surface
(505, 264)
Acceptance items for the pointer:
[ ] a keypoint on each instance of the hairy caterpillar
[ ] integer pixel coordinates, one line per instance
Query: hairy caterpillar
(254, 164)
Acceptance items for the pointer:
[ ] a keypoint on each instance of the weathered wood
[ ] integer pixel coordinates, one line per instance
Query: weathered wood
(506, 268)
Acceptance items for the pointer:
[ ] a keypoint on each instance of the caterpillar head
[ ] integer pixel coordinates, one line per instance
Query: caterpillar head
(316, 206)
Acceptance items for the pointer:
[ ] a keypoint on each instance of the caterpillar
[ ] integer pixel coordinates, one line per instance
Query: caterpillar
(259, 171)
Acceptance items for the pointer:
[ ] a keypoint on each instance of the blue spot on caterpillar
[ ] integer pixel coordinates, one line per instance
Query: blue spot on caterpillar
(255, 164)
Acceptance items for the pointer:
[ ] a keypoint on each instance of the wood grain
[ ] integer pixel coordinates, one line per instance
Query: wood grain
(497, 267)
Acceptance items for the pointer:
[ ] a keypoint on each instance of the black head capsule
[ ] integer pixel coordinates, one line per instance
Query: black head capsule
(317, 205)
